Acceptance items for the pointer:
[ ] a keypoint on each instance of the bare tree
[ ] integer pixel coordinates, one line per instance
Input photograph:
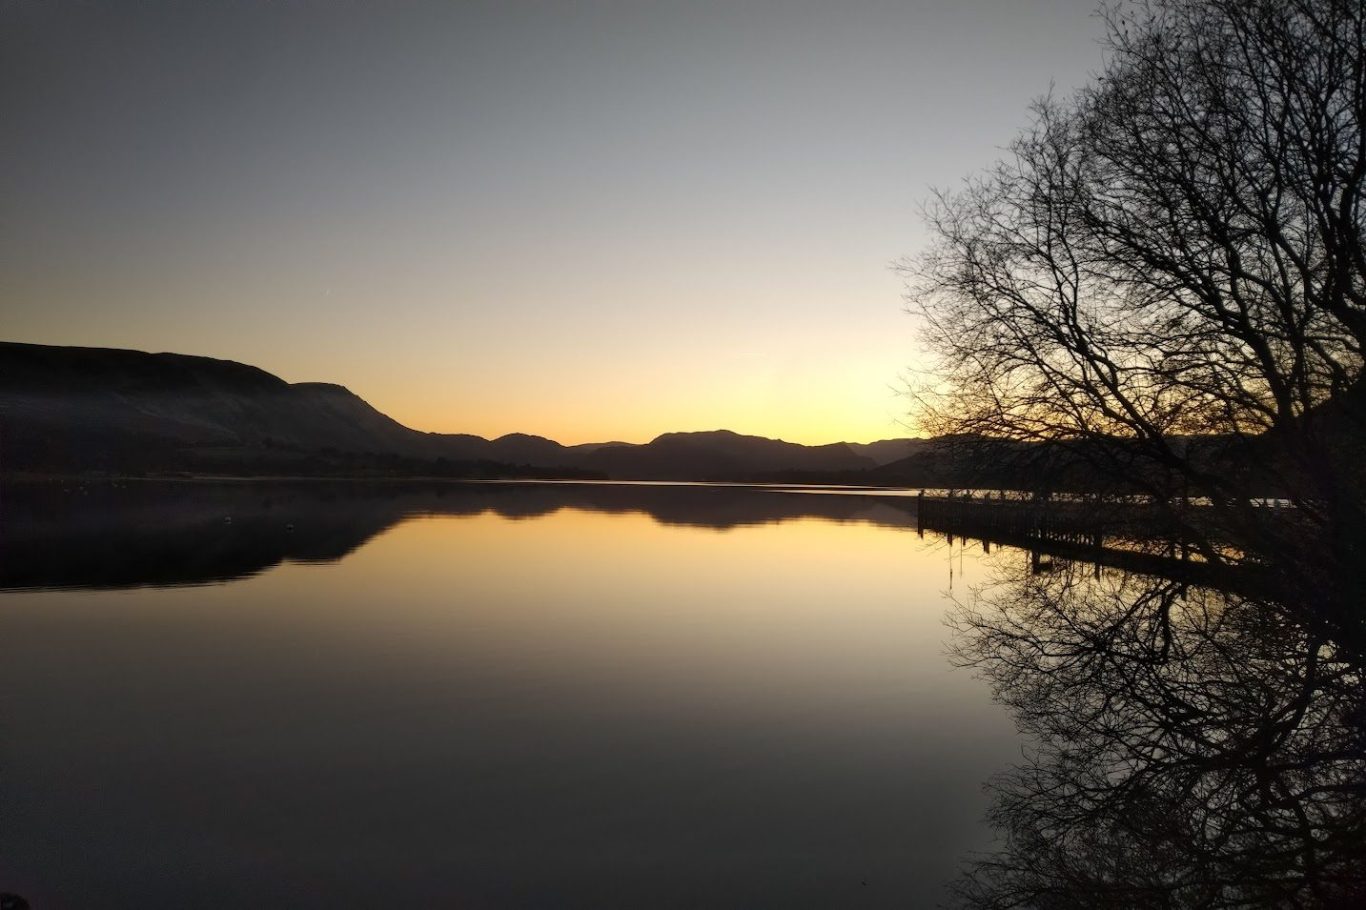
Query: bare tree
(1173, 256)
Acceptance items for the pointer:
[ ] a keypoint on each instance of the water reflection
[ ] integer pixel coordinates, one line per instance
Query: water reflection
(584, 695)
(131, 534)
(1188, 748)
(595, 707)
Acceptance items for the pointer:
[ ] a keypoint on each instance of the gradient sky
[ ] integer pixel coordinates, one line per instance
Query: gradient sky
(589, 221)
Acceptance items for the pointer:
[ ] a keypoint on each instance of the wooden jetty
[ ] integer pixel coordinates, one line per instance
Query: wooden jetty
(1131, 537)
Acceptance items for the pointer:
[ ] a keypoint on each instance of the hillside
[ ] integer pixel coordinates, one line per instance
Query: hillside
(70, 409)
(718, 455)
(65, 409)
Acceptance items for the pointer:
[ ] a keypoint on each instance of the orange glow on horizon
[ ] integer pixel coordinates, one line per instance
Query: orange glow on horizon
(811, 398)
(812, 433)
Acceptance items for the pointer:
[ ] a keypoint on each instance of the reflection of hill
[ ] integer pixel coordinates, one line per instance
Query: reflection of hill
(106, 536)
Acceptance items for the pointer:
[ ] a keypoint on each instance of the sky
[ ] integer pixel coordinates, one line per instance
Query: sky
(585, 220)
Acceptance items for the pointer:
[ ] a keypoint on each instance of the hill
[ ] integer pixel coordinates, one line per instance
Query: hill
(94, 409)
(719, 455)
(72, 409)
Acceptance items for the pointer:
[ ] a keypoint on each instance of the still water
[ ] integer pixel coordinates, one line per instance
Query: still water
(484, 696)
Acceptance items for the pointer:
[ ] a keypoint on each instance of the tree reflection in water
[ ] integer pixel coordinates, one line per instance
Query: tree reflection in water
(1187, 747)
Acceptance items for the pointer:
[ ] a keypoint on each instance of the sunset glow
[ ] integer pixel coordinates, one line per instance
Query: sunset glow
(584, 221)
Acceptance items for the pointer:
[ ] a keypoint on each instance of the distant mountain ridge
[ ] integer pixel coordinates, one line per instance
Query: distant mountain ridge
(75, 409)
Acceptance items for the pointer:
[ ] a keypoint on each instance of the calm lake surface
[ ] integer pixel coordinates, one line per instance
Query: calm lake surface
(484, 696)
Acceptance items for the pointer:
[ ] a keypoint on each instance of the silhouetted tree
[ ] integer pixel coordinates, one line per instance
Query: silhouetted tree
(1166, 278)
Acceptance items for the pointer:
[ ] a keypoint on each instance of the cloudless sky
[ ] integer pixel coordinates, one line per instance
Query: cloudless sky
(585, 220)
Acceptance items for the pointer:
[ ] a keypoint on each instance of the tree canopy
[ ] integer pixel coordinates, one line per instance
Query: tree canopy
(1177, 250)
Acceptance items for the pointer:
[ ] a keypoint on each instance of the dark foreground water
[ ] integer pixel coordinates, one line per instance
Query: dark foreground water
(489, 696)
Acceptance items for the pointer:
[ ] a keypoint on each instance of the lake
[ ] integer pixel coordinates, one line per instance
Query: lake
(483, 695)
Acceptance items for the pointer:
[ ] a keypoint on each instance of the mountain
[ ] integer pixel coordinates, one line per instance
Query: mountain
(65, 409)
(521, 448)
(886, 451)
(68, 408)
(719, 455)
(62, 405)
